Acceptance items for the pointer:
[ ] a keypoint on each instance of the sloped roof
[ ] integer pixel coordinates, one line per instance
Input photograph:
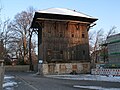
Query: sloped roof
(61, 14)
(64, 11)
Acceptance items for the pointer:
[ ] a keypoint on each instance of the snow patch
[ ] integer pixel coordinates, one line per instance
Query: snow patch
(95, 87)
(87, 77)
(9, 84)
(8, 77)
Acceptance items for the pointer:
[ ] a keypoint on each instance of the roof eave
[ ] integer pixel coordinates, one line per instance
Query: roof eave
(60, 17)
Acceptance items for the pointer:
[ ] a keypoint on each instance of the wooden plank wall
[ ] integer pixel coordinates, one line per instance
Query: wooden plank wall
(65, 41)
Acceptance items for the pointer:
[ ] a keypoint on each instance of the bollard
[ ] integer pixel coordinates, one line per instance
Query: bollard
(1, 74)
(1, 77)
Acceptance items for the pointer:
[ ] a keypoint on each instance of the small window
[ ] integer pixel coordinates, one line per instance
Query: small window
(83, 35)
(83, 52)
(61, 52)
(72, 35)
(61, 35)
(77, 26)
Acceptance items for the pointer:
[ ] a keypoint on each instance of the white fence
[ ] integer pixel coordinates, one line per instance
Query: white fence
(114, 72)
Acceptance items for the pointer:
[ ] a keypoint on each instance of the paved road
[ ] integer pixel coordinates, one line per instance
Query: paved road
(29, 81)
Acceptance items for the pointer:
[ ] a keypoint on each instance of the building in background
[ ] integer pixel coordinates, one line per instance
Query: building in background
(100, 56)
(111, 52)
(113, 44)
(63, 42)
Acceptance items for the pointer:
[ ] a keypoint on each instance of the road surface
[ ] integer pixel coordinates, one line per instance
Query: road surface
(30, 81)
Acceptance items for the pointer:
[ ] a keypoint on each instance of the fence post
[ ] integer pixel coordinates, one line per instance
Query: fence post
(1, 74)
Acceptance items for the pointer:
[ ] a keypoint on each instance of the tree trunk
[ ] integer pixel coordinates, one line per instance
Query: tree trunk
(30, 55)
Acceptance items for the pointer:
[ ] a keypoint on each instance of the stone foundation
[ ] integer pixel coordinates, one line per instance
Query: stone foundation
(65, 68)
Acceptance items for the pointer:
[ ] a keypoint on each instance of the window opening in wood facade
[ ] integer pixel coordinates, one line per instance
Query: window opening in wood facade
(67, 26)
(77, 26)
(83, 52)
(60, 35)
(83, 35)
(61, 52)
(55, 25)
(72, 35)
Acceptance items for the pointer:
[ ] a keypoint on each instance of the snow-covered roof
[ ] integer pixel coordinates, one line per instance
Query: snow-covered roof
(64, 11)
(61, 14)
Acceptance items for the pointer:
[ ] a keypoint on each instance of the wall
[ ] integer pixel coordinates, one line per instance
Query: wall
(64, 42)
(114, 48)
(66, 68)
(17, 68)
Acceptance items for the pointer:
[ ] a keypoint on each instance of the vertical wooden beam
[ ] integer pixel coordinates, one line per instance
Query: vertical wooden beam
(39, 41)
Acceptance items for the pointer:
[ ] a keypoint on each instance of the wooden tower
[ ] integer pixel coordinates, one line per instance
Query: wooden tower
(62, 39)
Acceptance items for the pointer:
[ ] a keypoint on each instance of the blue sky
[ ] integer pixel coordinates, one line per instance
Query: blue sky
(107, 11)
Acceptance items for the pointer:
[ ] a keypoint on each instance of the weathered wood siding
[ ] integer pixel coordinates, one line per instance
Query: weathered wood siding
(64, 42)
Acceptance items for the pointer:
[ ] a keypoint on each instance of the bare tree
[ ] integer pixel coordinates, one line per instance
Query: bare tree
(31, 10)
(110, 32)
(21, 26)
(97, 40)
(4, 37)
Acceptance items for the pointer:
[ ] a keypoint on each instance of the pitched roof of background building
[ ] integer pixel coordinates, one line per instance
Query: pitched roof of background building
(114, 35)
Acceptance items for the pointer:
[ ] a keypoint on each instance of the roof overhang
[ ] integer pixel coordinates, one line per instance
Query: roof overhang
(58, 17)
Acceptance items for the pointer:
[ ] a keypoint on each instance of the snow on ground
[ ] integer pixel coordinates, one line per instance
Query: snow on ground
(8, 77)
(9, 82)
(95, 87)
(109, 78)
(87, 77)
